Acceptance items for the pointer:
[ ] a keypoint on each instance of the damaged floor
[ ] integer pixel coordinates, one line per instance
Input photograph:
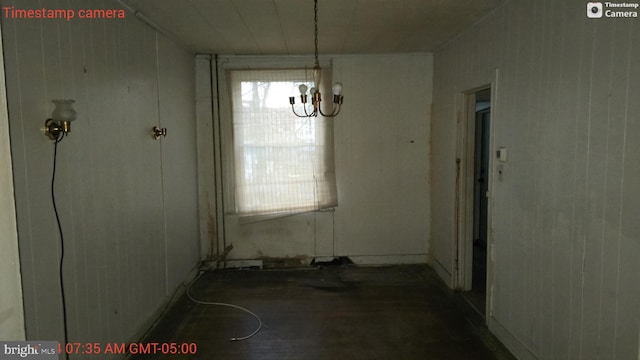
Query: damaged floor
(333, 312)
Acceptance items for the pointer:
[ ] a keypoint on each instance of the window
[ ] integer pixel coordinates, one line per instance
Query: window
(283, 164)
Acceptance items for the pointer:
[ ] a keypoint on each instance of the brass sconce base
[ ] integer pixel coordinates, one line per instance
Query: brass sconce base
(59, 124)
(53, 128)
(157, 132)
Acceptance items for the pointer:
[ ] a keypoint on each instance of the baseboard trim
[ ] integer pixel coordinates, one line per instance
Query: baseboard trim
(444, 274)
(389, 259)
(148, 325)
(517, 348)
(356, 259)
(242, 264)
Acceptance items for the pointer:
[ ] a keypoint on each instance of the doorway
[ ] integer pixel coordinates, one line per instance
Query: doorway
(482, 125)
(472, 199)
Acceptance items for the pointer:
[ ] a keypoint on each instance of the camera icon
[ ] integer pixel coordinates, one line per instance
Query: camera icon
(594, 10)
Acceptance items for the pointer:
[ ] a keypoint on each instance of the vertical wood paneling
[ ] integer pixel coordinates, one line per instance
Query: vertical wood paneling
(34, 254)
(441, 156)
(119, 267)
(176, 85)
(616, 104)
(11, 307)
(565, 175)
(551, 44)
(628, 242)
(565, 215)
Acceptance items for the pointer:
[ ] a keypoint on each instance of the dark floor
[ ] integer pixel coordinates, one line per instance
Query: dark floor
(334, 312)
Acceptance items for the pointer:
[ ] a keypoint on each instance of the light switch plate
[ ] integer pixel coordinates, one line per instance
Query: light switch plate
(502, 154)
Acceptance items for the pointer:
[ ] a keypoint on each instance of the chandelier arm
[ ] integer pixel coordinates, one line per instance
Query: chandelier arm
(306, 112)
(337, 110)
(296, 114)
(334, 112)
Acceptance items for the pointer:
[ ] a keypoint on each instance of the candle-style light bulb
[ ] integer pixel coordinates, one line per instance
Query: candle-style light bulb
(337, 88)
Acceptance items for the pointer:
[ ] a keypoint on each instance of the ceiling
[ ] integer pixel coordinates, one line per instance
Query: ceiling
(276, 27)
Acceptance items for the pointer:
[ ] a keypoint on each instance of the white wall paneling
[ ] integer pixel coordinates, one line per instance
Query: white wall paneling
(565, 222)
(176, 101)
(127, 202)
(11, 309)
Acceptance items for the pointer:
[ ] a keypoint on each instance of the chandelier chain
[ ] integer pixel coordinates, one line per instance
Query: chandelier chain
(315, 91)
(315, 20)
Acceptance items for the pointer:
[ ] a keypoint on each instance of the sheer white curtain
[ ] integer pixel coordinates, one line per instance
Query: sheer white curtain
(283, 164)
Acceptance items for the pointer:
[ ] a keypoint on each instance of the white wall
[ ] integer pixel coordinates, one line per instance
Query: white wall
(11, 310)
(127, 202)
(382, 165)
(382, 157)
(565, 222)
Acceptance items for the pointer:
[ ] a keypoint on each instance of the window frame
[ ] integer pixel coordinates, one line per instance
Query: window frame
(226, 65)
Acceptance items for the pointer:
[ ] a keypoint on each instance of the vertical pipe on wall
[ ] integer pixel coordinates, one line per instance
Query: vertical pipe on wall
(206, 159)
(219, 179)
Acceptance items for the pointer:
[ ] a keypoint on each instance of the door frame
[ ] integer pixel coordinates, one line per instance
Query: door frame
(464, 191)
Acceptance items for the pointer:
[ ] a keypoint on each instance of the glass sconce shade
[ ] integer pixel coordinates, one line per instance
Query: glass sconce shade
(59, 125)
(64, 111)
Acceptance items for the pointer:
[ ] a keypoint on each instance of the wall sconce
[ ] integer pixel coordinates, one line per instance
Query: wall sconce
(157, 132)
(60, 122)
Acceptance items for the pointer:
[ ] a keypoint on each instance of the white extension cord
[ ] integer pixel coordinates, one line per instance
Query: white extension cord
(240, 338)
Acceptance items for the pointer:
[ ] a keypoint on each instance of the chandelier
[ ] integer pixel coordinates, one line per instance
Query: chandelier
(314, 92)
